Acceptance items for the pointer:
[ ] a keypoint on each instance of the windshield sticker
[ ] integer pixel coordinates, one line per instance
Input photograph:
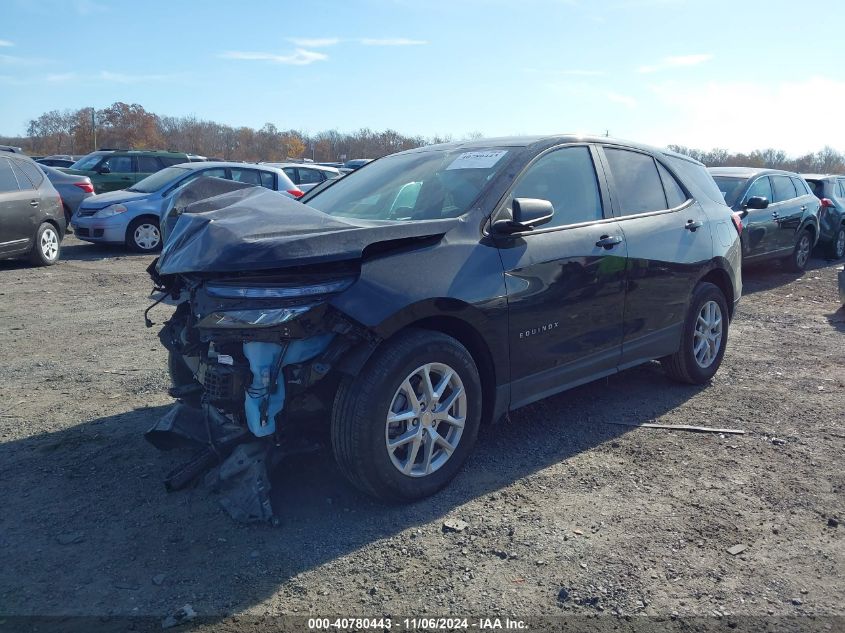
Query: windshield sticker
(477, 160)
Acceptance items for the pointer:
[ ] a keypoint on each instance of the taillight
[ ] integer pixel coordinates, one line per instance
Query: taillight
(737, 220)
(87, 187)
(827, 203)
(296, 193)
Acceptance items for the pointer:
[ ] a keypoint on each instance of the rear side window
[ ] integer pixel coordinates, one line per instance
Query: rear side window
(266, 179)
(23, 181)
(761, 188)
(148, 164)
(246, 176)
(8, 182)
(291, 172)
(675, 195)
(33, 173)
(566, 178)
(842, 188)
(169, 161)
(637, 181)
(783, 188)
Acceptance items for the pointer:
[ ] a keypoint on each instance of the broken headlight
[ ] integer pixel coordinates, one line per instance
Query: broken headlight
(253, 318)
(231, 291)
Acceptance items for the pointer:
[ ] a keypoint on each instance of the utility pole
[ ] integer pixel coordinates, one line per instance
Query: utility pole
(94, 127)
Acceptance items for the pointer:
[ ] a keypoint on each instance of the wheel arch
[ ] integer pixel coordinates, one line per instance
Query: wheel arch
(720, 278)
(141, 216)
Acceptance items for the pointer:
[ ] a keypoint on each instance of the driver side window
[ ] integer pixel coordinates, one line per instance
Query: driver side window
(566, 178)
(762, 187)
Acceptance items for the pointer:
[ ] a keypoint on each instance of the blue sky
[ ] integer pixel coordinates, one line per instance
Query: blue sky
(739, 75)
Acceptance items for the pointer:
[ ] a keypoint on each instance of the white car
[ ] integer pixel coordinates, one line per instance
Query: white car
(306, 176)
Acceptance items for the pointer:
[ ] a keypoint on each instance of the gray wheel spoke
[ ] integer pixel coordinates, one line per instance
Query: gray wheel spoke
(403, 439)
(707, 337)
(441, 386)
(412, 456)
(429, 451)
(401, 417)
(444, 406)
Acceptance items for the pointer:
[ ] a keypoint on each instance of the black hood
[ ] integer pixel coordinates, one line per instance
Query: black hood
(257, 229)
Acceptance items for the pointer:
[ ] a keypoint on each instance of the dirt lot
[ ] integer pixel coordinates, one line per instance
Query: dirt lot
(565, 513)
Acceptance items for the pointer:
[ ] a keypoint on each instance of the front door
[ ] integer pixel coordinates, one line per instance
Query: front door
(565, 280)
(116, 172)
(759, 225)
(787, 211)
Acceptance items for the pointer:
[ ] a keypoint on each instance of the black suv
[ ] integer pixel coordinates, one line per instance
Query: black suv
(32, 218)
(436, 289)
(831, 191)
(780, 214)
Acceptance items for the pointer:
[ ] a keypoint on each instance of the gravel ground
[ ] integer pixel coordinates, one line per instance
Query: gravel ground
(564, 513)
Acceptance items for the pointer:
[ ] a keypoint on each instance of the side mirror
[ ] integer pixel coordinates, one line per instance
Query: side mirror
(104, 170)
(757, 202)
(526, 213)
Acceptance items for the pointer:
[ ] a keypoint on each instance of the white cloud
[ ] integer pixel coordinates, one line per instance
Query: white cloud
(571, 72)
(391, 41)
(679, 61)
(300, 57)
(743, 116)
(316, 42)
(13, 60)
(6, 43)
(625, 100)
(124, 78)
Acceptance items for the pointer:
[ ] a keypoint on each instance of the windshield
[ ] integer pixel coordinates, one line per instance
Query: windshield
(423, 185)
(87, 163)
(160, 179)
(730, 187)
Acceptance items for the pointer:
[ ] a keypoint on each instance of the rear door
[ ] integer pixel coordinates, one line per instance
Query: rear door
(565, 290)
(118, 171)
(18, 207)
(669, 246)
(787, 211)
(759, 225)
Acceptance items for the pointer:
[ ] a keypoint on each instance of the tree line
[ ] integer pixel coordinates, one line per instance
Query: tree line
(123, 125)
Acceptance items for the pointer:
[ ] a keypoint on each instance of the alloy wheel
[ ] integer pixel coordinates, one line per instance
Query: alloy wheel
(802, 253)
(147, 236)
(707, 339)
(839, 247)
(426, 419)
(49, 244)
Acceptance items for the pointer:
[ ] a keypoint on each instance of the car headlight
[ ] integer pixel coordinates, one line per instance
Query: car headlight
(264, 317)
(276, 292)
(110, 211)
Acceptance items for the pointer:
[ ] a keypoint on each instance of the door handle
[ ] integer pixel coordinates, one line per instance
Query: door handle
(693, 225)
(608, 241)
(804, 208)
(33, 203)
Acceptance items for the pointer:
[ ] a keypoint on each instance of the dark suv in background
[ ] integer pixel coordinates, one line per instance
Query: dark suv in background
(779, 212)
(110, 170)
(441, 286)
(32, 219)
(831, 191)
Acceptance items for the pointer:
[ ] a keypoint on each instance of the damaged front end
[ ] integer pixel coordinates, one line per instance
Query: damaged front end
(247, 359)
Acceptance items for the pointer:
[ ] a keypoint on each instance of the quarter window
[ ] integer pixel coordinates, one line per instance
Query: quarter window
(31, 170)
(309, 176)
(762, 188)
(637, 181)
(675, 195)
(566, 178)
(8, 182)
(783, 188)
(800, 189)
(247, 176)
(842, 188)
(291, 173)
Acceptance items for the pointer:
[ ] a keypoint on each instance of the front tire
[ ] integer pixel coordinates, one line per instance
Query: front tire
(144, 235)
(797, 261)
(403, 427)
(47, 247)
(704, 337)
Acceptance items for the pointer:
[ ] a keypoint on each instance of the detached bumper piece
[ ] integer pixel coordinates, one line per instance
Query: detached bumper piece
(234, 462)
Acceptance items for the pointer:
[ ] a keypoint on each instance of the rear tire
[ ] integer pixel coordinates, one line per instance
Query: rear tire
(144, 235)
(47, 247)
(700, 354)
(836, 248)
(392, 444)
(797, 261)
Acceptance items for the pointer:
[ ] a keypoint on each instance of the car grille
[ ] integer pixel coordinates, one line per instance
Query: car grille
(86, 213)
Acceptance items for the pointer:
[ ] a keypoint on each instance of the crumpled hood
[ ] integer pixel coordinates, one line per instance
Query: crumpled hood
(103, 200)
(257, 229)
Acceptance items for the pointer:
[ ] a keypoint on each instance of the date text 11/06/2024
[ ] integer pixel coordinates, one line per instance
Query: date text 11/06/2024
(412, 624)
